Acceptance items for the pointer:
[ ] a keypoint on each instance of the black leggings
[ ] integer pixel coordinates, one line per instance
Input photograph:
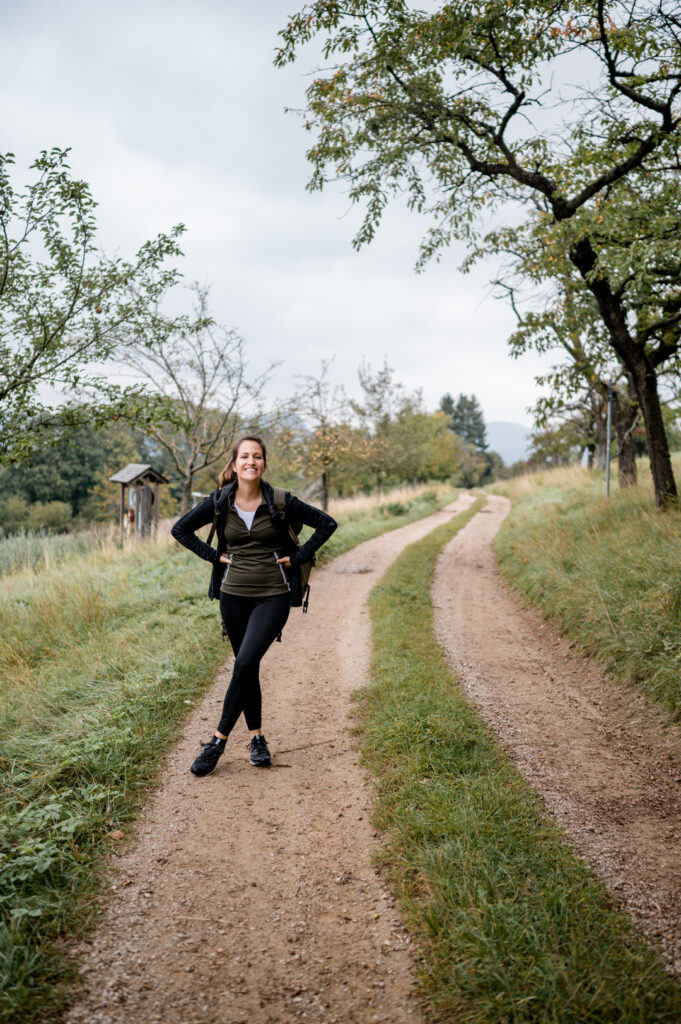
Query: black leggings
(252, 625)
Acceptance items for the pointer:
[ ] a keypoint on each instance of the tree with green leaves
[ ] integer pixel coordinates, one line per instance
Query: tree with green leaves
(557, 444)
(466, 418)
(579, 389)
(63, 306)
(66, 471)
(423, 446)
(381, 397)
(469, 108)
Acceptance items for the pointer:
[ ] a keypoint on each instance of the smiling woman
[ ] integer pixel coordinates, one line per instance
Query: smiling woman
(255, 574)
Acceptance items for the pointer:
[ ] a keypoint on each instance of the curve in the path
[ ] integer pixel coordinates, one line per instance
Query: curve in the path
(250, 895)
(607, 763)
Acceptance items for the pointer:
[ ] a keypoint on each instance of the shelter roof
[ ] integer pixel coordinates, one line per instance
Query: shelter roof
(137, 472)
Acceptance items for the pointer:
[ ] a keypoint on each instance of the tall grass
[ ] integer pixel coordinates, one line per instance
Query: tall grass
(513, 927)
(608, 570)
(37, 551)
(346, 509)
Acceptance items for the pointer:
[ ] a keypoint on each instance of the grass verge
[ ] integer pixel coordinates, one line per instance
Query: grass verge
(101, 656)
(608, 570)
(513, 927)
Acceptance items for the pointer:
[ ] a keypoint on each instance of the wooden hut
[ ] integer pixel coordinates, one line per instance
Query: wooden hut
(139, 513)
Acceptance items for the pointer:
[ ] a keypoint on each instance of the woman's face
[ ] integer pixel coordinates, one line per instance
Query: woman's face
(250, 463)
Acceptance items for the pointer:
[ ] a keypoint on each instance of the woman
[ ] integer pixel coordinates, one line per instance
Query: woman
(255, 575)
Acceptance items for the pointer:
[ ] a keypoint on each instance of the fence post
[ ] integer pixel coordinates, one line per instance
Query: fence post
(607, 442)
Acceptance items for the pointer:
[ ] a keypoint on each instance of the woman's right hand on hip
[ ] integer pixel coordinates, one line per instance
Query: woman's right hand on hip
(226, 559)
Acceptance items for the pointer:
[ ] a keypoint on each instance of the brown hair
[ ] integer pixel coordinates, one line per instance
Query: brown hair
(228, 473)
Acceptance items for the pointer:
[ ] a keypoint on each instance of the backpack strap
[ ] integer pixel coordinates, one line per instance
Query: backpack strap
(213, 528)
(214, 524)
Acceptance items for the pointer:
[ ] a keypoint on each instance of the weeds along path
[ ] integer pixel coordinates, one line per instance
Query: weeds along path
(607, 764)
(249, 894)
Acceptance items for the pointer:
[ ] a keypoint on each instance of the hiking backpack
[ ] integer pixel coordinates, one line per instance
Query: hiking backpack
(293, 530)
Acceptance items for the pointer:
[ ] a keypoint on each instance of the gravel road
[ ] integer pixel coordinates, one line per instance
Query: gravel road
(249, 895)
(606, 761)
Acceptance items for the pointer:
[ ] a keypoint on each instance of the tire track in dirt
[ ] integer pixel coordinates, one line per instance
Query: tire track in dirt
(249, 894)
(606, 762)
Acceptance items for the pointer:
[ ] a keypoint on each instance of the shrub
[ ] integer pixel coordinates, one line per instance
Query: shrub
(13, 514)
(397, 508)
(53, 516)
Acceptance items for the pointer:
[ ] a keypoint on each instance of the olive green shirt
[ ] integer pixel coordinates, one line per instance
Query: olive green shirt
(253, 571)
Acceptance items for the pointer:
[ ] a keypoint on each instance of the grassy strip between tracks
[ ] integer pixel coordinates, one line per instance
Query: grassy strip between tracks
(512, 925)
(101, 656)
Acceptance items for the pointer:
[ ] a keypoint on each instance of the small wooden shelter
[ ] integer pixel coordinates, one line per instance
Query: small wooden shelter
(142, 483)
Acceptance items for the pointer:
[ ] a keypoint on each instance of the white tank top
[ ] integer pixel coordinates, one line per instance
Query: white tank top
(247, 517)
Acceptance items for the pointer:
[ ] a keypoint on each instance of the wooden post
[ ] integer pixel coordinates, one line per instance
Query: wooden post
(142, 506)
(147, 509)
(139, 512)
(122, 516)
(155, 508)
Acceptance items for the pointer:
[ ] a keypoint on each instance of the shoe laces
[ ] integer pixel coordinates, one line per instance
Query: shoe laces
(209, 746)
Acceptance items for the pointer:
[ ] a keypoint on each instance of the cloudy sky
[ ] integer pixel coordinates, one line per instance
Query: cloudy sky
(174, 112)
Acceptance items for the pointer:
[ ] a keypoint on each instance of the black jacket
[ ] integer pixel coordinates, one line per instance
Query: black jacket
(296, 513)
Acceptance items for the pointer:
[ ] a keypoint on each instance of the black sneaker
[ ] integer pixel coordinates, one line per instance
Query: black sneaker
(205, 763)
(260, 755)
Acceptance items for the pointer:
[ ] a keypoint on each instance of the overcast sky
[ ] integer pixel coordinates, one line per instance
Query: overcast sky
(174, 112)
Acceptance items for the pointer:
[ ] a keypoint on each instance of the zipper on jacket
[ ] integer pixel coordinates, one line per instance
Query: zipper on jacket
(226, 572)
(281, 569)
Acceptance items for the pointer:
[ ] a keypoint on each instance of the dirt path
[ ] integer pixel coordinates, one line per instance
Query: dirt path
(249, 895)
(607, 763)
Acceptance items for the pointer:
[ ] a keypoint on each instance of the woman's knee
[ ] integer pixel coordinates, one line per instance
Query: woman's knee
(246, 667)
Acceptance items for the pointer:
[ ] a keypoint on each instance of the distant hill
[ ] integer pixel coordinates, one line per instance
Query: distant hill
(511, 440)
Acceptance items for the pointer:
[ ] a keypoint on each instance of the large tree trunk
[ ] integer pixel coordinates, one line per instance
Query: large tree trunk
(187, 481)
(644, 380)
(186, 501)
(632, 355)
(625, 413)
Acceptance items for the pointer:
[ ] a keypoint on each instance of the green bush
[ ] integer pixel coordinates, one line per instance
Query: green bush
(17, 516)
(53, 516)
(13, 514)
(396, 508)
